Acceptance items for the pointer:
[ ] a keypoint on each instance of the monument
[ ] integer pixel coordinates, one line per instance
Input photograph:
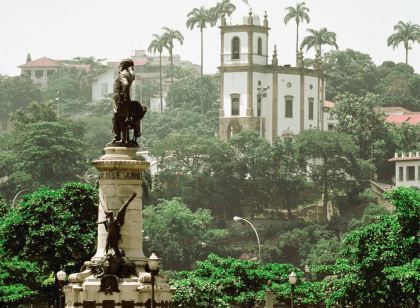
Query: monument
(119, 275)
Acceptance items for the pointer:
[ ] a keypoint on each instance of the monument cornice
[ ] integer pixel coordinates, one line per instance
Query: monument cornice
(109, 165)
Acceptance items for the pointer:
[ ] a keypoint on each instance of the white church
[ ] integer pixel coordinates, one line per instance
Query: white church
(277, 101)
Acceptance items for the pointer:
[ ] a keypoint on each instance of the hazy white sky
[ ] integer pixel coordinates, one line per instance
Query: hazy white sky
(63, 29)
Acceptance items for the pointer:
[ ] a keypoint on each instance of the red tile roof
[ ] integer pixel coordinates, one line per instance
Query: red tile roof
(391, 110)
(42, 62)
(411, 118)
(329, 104)
(140, 62)
(405, 158)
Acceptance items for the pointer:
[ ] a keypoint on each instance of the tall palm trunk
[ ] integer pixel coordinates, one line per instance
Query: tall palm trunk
(172, 77)
(406, 53)
(160, 79)
(202, 86)
(325, 195)
(297, 42)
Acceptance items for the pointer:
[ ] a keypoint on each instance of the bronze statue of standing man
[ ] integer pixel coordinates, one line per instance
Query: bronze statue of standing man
(122, 100)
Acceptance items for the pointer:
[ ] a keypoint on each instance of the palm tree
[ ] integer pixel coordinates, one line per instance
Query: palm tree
(170, 36)
(200, 18)
(404, 33)
(157, 45)
(299, 14)
(225, 7)
(319, 38)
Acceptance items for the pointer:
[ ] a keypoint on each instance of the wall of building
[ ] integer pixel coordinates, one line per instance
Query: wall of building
(288, 85)
(259, 59)
(266, 103)
(41, 81)
(227, 48)
(107, 79)
(310, 91)
(235, 83)
(404, 164)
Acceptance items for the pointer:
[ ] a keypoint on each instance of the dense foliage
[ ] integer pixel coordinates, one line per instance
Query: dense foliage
(378, 267)
(67, 218)
(381, 260)
(176, 233)
(43, 150)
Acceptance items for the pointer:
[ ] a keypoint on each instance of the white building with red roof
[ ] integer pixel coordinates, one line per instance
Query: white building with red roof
(40, 70)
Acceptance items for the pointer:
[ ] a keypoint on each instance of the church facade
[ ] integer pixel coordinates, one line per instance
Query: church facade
(277, 101)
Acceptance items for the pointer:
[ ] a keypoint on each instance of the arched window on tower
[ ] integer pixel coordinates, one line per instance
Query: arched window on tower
(236, 43)
(235, 103)
(259, 51)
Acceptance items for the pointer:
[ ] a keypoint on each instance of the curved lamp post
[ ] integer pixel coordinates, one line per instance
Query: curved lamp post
(153, 262)
(61, 277)
(292, 281)
(237, 218)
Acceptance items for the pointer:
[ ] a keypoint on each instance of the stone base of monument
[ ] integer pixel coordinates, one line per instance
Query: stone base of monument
(110, 279)
(131, 293)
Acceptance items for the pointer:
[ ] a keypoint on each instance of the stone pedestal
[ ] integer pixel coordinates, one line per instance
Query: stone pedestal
(120, 176)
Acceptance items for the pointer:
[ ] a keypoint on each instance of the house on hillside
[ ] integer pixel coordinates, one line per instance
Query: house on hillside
(399, 115)
(40, 70)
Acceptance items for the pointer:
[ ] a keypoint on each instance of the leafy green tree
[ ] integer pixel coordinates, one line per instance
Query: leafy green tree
(97, 134)
(186, 94)
(406, 137)
(15, 93)
(252, 164)
(176, 232)
(381, 265)
(220, 282)
(62, 86)
(157, 45)
(147, 89)
(333, 163)
(67, 218)
(371, 214)
(289, 178)
(156, 126)
(318, 38)
(299, 14)
(20, 282)
(170, 37)
(296, 245)
(398, 86)
(43, 150)
(349, 71)
(199, 170)
(200, 18)
(405, 32)
(367, 128)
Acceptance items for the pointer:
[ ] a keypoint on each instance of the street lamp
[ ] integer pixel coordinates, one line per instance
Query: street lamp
(61, 277)
(237, 218)
(261, 93)
(153, 262)
(292, 281)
